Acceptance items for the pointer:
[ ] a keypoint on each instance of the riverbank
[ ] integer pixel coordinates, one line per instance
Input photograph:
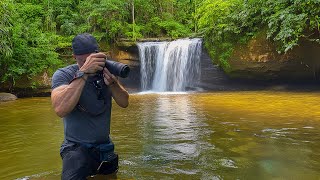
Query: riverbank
(27, 92)
(227, 85)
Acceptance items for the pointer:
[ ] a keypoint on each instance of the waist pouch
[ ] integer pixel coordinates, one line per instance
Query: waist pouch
(109, 167)
(109, 159)
(104, 155)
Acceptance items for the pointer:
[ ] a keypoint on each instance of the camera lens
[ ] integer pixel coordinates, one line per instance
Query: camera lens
(117, 69)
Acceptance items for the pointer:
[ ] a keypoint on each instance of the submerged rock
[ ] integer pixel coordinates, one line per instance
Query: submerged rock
(7, 97)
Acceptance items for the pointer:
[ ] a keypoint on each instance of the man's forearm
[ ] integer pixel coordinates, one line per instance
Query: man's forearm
(120, 95)
(66, 97)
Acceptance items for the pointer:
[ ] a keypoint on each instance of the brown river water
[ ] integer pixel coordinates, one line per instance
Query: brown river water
(218, 135)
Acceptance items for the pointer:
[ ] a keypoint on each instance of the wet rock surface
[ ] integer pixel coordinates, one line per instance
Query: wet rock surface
(213, 78)
(259, 59)
(7, 97)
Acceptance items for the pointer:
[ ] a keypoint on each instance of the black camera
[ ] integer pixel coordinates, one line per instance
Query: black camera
(118, 69)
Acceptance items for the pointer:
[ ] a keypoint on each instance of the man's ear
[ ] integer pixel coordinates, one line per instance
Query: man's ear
(73, 56)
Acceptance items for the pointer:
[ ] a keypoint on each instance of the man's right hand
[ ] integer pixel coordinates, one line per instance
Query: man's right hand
(94, 62)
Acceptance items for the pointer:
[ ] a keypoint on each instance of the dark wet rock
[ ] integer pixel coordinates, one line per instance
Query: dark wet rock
(7, 97)
(128, 55)
(213, 78)
(30, 92)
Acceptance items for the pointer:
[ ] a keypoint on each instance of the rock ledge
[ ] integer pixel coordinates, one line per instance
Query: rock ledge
(7, 97)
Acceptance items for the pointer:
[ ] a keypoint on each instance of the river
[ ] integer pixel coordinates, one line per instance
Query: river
(217, 135)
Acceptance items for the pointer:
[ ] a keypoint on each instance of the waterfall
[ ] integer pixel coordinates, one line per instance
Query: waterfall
(170, 66)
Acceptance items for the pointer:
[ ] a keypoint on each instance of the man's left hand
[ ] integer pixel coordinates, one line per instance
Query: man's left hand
(119, 94)
(109, 79)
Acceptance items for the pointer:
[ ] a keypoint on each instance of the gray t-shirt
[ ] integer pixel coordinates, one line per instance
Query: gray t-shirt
(89, 121)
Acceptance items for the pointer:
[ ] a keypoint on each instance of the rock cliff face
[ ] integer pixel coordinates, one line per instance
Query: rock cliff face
(259, 59)
(128, 54)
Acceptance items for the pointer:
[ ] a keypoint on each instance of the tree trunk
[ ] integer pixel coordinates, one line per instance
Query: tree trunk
(133, 22)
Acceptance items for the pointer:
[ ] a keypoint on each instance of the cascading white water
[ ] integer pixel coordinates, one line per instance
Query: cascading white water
(170, 66)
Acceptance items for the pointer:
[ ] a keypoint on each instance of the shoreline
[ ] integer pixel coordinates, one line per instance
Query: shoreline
(229, 87)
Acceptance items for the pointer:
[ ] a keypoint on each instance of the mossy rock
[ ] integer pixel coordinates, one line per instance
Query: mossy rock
(259, 59)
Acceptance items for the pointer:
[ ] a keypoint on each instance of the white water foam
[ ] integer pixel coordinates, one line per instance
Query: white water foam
(170, 66)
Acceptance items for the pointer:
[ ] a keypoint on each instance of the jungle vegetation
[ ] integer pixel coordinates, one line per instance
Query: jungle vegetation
(33, 32)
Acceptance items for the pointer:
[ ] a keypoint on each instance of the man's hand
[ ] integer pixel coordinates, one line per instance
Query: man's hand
(94, 62)
(109, 78)
(119, 94)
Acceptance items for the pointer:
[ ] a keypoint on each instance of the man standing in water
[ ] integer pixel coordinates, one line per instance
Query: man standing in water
(83, 100)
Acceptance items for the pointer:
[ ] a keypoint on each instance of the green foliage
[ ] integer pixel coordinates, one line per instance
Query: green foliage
(32, 32)
(104, 16)
(226, 23)
(5, 26)
(216, 23)
(33, 50)
(133, 34)
(288, 21)
(170, 18)
(170, 28)
(174, 29)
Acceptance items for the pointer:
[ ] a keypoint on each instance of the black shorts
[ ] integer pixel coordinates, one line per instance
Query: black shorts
(79, 162)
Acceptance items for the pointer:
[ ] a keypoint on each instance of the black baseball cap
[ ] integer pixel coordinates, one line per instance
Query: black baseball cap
(84, 44)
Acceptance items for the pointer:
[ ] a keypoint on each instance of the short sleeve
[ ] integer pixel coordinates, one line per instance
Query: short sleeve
(59, 78)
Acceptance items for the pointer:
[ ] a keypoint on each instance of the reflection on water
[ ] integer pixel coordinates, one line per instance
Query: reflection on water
(166, 137)
(175, 136)
(245, 135)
